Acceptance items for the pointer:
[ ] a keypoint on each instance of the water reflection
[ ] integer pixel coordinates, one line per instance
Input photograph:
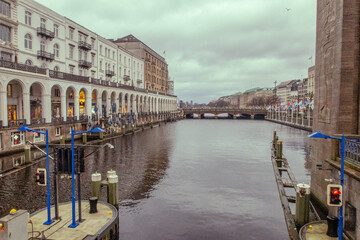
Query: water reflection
(194, 179)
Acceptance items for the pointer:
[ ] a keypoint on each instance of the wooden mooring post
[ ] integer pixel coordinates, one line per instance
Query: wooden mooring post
(287, 180)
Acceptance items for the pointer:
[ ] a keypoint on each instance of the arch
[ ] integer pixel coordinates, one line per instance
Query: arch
(132, 103)
(83, 93)
(56, 68)
(56, 93)
(43, 65)
(28, 62)
(104, 106)
(70, 102)
(94, 105)
(16, 110)
(126, 100)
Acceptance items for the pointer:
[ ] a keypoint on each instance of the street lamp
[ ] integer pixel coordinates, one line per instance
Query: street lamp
(320, 135)
(25, 128)
(96, 129)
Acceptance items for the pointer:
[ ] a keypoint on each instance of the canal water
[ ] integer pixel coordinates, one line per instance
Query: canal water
(193, 179)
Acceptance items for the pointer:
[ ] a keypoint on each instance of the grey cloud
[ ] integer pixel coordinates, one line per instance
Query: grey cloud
(213, 48)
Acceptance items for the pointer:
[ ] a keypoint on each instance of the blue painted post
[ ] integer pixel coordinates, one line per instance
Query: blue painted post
(342, 185)
(74, 223)
(49, 221)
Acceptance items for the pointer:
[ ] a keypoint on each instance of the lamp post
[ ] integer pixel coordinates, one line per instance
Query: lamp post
(320, 135)
(74, 224)
(27, 129)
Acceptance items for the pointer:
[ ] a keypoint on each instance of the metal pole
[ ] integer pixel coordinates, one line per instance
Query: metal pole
(79, 194)
(342, 185)
(49, 221)
(73, 224)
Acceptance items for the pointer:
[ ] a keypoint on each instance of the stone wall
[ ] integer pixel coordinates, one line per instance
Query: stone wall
(336, 91)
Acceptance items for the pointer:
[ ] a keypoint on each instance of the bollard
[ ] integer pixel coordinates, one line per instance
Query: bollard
(93, 205)
(95, 185)
(62, 140)
(302, 204)
(84, 138)
(110, 173)
(27, 152)
(113, 193)
(274, 138)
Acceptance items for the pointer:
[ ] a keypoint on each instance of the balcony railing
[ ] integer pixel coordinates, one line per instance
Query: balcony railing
(57, 120)
(109, 73)
(83, 118)
(95, 80)
(352, 152)
(71, 119)
(67, 76)
(126, 78)
(84, 45)
(22, 67)
(37, 121)
(153, 63)
(15, 123)
(85, 64)
(139, 81)
(43, 32)
(112, 84)
(45, 55)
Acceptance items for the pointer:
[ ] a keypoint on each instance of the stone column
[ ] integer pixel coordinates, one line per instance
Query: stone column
(63, 107)
(46, 107)
(76, 105)
(26, 106)
(99, 106)
(108, 106)
(88, 105)
(3, 108)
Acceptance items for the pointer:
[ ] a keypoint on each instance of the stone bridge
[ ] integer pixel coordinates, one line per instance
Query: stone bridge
(232, 112)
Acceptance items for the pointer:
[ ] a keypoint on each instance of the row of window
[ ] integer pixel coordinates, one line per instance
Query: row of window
(42, 23)
(28, 45)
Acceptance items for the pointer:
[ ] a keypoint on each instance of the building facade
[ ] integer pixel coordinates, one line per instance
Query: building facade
(155, 67)
(55, 72)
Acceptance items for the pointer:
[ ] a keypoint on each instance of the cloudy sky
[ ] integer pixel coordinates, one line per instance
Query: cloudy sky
(213, 47)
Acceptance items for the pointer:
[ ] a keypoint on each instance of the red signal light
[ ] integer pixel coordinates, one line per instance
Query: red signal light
(336, 192)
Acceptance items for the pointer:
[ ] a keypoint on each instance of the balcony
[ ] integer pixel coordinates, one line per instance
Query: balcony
(37, 121)
(126, 78)
(85, 64)
(43, 32)
(67, 76)
(45, 55)
(109, 73)
(57, 120)
(16, 123)
(22, 67)
(84, 45)
(139, 81)
(147, 59)
(153, 63)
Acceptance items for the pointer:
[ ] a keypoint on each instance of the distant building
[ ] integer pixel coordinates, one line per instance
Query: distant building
(287, 91)
(156, 68)
(311, 83)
